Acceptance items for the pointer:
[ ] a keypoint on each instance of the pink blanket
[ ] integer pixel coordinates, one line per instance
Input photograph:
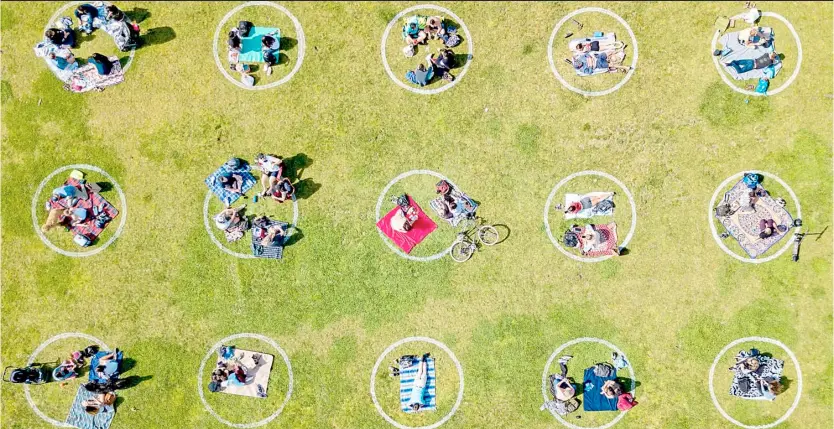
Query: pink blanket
(419, 231)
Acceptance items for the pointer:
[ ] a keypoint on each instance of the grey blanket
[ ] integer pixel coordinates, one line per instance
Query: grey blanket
(735, 50)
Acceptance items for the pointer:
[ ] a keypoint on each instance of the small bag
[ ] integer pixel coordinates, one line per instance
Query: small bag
(409, 51)
(247, 80)
(244, 27)
(452, 41)
(761, 88)
(81, 240)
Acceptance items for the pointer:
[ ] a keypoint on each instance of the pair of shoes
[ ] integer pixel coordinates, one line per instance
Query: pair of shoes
(268, 71)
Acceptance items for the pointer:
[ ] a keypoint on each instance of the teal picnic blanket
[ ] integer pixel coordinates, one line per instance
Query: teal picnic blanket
(407, 382)
(79, 418)
(250, 47)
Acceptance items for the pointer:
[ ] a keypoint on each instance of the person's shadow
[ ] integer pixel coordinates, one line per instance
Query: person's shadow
(294, 166)
(158, 36)
(138, 14)
(295, 237)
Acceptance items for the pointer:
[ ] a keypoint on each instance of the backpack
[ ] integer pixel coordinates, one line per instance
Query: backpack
(82, 240)
(244, 27)
(603, 370)
(761, 88)
(233, 164)
(401, 201)
(451, 40)
(723, 210)
(571, 239)
(751, 180)
(562, 408)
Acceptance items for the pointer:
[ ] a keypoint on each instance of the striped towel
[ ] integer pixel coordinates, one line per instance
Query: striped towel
(79, 418)
(406, 382)
(225, 196)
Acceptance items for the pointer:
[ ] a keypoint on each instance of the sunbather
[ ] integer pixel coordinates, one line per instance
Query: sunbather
(743, 66)
(272, 167)
(755, 36)
(587, 202)
(589, 62)
(564, 389)
(62, 38)
(418, 389)
(108, 366)
(269, 46)
(404, 219)
(229, 217)
(766, 228)
(231, 182)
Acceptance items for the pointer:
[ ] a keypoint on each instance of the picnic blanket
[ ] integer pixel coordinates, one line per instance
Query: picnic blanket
(250, 46)
(590, 211)
(79, 418)
(743, 224)
(736, 50)
(256, 375)
(93, 376)
(465, 207)
(270, 252)
(44, 48)
(429, 402)
(88, 227)
(607, 241)
(769, 369)
(225, 196)
(419, 231)
(594, 400)
(86, 78)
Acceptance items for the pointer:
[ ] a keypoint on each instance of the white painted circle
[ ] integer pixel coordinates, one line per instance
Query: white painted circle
(230, 251)
(63, 9)
(34, 356)
(212, 351)
(571, 343)
(381, 199)
(553, 63)
(782, 87)
(550, 202)
(391, 348)
(711, 220)
(122, 211)
(469, 44)
(298, 31)
(759, 340)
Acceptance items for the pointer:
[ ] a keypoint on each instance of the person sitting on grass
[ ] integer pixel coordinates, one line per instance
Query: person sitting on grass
(282, 191)
(405, 217)
(272, 170)
(231, 182)
(561, 384)
(269, 47)
(743, 66)
(229, 217)
(443, 64)
(108, 366)
(413, 33)
(61, 38)
(418, 389)
(434, 27)
(273, 235)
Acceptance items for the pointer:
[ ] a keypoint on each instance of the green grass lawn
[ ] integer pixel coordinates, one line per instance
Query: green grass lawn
(505, 134)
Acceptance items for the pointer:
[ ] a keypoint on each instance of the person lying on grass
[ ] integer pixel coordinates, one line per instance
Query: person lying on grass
(743, 66)
(404, 218)
(755, 36)
(587, 202)
(587, 63)
(421, 379)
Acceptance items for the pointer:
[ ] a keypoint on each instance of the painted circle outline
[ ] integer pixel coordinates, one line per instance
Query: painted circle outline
(385, 239)
(214, 348)
(553, 64)
(391, 348)
(761, 340)
(230, 251)
(782, 87)
(63, 9)
(568, 179)
(34, 356)
(570, 343)
(122, 212)
(470, 44)
(299, 32)
(714, 230)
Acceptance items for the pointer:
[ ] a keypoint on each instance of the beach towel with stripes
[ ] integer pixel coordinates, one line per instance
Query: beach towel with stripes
(407, 381)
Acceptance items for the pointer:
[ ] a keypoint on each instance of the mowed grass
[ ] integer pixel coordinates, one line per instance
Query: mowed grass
(506, 133)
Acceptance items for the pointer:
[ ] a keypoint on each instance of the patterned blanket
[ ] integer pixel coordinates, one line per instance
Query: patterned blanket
(605, 246)
(86, 78)
(743, 225)
(270, 252)
(87, 228)
(770, 369)
(79, 418)
(464, 207)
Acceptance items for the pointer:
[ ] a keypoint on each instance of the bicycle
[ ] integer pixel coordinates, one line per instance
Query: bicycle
(464, 246)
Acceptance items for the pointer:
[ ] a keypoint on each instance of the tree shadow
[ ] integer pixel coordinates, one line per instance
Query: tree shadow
(288, 43)
(158, 36)
(297, 235)
(503, 236)
(138, 14)
(294, 166)
(306, 188)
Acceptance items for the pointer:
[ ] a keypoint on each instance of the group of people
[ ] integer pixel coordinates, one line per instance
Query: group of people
(749, 53)
(564, 393)
(230, 371)
(591, 240)
(269, 49)
(59, 40)
(756, 376)
(602, 53)
(420, 30)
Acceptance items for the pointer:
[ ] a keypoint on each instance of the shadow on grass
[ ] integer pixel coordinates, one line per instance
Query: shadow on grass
(158, 36)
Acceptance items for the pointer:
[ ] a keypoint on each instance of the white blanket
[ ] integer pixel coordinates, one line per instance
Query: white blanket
(589, 212)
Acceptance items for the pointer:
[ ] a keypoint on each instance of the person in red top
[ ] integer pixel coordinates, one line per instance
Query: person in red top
(586, 202)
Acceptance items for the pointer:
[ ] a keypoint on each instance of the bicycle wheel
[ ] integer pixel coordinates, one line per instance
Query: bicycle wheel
(462, 251)
(488, 235)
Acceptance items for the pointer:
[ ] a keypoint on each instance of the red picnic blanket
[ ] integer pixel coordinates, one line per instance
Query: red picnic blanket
(608, 235)
(88, 227)
(419, 231)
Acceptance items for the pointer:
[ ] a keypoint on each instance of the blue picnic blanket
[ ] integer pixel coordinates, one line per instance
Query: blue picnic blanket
(733, 50)
(79, 418)
(594, 400)
(94, 364)
(406, 382)
(225, 196)
(250, 46)
(270, 252)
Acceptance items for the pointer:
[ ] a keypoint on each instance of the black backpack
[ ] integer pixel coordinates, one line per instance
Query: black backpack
(234, 40)
(244, 27)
